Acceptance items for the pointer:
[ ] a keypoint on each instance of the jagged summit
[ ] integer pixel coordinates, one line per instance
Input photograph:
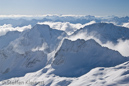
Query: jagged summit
(45, 31)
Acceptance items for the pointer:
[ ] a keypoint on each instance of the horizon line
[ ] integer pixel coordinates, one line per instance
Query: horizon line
(45, 15)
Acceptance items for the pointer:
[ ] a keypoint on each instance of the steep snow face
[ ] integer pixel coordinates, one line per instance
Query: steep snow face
(76, 58)
(29, 51)
(103, 31)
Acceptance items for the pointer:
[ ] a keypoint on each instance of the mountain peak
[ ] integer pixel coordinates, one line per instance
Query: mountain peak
(100, 24)
(41, 26)
(76, 58)
(104, 32)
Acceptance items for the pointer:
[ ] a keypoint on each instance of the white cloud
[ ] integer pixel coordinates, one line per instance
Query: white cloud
(121, 46)
(126, 25)
(91, 22)
(8, 27)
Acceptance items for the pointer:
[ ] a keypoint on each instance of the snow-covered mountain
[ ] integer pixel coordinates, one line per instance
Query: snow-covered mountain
(28, 51)
(76, 58)
(102, 31)
(107, 35)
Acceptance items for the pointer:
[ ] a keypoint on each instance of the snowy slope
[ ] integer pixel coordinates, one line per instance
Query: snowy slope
(29, 51)
(101, 76)
(113, 76)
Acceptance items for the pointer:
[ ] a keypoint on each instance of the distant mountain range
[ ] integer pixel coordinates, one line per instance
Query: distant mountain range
(72, 19)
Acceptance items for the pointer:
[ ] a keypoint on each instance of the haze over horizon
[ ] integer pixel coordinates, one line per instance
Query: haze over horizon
(65, 7)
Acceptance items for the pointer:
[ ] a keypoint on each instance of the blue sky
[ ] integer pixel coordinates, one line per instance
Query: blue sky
(74, 7)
